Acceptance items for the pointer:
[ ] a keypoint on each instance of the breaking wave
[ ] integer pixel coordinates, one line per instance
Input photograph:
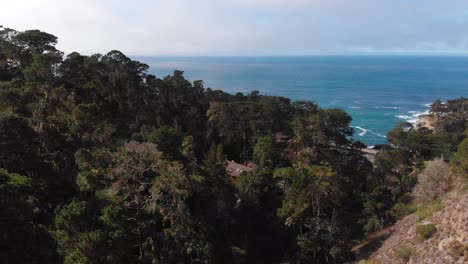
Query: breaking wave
(412, 116)
(365, 131)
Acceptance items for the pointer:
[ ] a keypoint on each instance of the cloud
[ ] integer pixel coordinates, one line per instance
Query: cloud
(246, 27)
(277, 3)
(84, 24)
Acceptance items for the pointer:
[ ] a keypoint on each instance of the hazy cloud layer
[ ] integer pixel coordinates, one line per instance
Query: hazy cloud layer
(244, 27)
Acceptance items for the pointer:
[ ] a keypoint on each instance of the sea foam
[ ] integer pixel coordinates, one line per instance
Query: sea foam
(413, 116)
(365, 131)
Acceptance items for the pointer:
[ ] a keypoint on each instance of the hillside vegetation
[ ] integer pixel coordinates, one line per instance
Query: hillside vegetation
(102, 162)
(437, 230)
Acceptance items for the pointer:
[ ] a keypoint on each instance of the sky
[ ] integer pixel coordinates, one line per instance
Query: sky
(246, 27)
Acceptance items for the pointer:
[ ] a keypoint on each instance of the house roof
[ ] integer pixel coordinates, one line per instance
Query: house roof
(280, 137)
(235, 169)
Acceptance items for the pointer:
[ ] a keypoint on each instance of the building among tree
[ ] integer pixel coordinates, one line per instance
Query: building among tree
(235, 169)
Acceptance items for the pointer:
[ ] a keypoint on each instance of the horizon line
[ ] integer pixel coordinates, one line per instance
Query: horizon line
(338, 54)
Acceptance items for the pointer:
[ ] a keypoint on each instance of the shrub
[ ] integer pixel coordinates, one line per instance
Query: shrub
(401, 210)
(372, 224)
(434, 181)
(404, 254)
(460, 159)
(425, 231)
(425, 211)
(406, 198)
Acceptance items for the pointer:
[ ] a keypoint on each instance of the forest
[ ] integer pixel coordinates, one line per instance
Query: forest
(102, 162)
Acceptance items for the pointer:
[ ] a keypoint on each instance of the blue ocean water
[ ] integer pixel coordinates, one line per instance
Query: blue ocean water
(377, 91)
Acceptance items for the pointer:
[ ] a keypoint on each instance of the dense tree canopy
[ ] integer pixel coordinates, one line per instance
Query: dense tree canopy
(102, 162)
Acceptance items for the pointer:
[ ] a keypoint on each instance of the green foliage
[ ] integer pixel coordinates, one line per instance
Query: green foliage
(424, 232)
(401, 210)
(429, 145)
(404, 254)
(451, 124)
(375, 208)
(460, 159)
(92, 165)
(309, 182)
(215, 166)
(254, 186)
(17, 198)
(13, 183)
(372, 224)
(426, 210)
(105, 163)
(265, 153)
(395, 166)
(188, 152)
(22, 221)
(36, 41)
(76, 241)
(399, 135)
(309, 205)
(18, 143)
(167, 140)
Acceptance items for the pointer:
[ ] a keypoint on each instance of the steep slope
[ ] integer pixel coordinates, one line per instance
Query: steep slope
(403, 243)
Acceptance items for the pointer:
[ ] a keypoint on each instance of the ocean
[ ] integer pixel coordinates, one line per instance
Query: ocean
(377, 91)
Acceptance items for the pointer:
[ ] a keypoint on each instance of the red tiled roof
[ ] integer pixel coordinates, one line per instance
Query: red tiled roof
(234, 169)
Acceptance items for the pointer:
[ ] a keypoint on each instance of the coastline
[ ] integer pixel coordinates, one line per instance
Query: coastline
(427, 121)
(342, 83)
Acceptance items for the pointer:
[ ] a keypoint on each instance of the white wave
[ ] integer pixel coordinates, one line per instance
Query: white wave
(386, 107)
(418, 114)
(404, 117)
(365, 131)
(413, 116)
(380, 135)
(428, 105)
(410, 119)
(354, 107)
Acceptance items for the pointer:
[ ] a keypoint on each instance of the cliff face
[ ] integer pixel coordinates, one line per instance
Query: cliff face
(402, 242)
